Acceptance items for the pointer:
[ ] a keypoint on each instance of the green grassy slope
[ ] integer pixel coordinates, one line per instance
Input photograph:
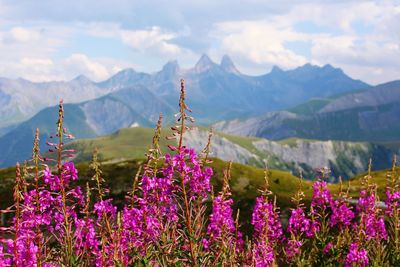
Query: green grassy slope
(127, 143)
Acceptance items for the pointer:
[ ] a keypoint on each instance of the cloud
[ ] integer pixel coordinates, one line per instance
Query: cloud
(259, 42)
(80, 63)
(152, 39)
(45, 69)
(23, 35)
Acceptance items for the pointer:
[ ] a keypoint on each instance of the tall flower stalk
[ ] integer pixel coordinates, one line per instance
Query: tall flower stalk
(268, 234)
(393, 211)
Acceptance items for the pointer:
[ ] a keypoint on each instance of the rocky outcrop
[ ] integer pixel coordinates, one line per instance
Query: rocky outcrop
(220, 147)
(317, 154)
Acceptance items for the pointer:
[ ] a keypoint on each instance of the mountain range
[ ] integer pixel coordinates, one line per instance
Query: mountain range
(215, 91)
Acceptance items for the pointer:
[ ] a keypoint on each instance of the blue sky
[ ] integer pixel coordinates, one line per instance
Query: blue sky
(58, 40)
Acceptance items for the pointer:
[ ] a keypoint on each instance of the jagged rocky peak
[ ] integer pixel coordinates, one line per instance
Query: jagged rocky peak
(308, 66)
(125, 72)
(276, 69)
(330, 68)
(81, 79)
(204, 63)
(172, 66)
(228, 65)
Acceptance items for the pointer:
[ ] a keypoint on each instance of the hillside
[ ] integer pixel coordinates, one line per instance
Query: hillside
(344, 158)
(105, 115)
(21, 99)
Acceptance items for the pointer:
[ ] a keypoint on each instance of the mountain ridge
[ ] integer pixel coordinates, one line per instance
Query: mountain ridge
(368, 115)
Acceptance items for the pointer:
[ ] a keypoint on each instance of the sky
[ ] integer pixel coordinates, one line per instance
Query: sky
(48, 40)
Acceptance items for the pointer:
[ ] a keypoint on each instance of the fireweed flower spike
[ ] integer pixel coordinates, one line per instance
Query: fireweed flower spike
(268, 234)
(298, 227)
(393, 211)
(342, 214)
(224, 239)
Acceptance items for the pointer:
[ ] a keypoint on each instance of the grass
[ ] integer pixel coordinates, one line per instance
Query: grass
(128, 143)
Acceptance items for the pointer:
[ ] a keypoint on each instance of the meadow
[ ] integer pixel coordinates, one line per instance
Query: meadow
(179, 207)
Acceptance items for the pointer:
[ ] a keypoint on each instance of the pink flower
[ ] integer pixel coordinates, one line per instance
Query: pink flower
(298, 223)
(342, 214)
(265, 217)
(322, 196)
(356, 256)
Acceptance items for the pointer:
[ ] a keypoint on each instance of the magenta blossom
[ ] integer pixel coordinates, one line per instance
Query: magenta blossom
(266, 218)
(356, 256)
(221, 221)
(298, 223)
(322, 196)
(342, 214)
(392, 202)
(263, 254)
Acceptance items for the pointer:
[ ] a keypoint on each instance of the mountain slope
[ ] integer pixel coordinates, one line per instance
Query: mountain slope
(21, 99)
(369, 115)
(344, 158)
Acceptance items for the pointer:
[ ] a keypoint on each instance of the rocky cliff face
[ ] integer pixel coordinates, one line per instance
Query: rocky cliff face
(221, 147)
(272, 121)
(316, 154)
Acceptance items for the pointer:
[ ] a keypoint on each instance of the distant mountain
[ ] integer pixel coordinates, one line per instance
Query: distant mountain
(21, 99)
(220, 91)
(214, 91)
(129, 107)
(368, 115)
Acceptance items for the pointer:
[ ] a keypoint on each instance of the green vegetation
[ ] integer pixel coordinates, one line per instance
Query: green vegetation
(310, 107)
(129, 143)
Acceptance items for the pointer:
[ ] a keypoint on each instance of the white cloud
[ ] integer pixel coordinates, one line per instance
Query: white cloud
(154, 39)
(80, 63)
(371, 61)
(259, 42)
(23, 35)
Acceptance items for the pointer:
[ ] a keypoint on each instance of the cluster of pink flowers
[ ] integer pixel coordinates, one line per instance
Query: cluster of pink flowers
(322, 196)
(356, 256)
(371, 222)
(102, 235)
